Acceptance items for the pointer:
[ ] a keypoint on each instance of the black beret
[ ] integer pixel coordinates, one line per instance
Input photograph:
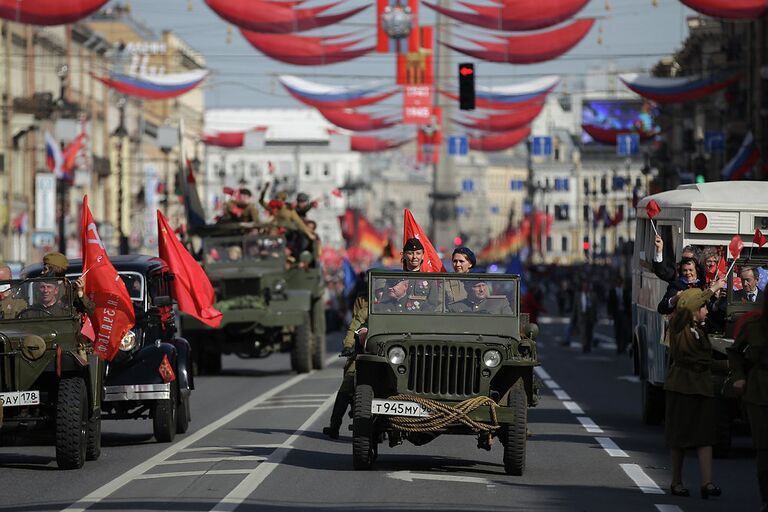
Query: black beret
(245, 192)
(466, 252)
(413, 244)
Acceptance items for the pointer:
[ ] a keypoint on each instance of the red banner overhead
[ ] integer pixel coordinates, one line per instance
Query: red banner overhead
(266, 16)
(510, 120)
(729, 9)
(305, 50)
(371, 144)
(499, 141)
(514, 14)
(529, 49)
(357, 121)
(48, 12)
(417, 104)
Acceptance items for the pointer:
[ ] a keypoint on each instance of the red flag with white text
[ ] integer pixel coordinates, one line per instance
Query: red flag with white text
(411, 229)
(114, 315)
(191, 286)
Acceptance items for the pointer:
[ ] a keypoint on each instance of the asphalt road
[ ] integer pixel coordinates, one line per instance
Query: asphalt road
(255, 443)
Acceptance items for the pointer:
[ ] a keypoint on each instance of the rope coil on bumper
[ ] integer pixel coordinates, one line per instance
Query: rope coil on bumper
(444, 415)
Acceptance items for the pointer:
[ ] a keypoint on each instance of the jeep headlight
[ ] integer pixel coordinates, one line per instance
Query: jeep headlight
(396, 355)
(128, 341)
(492, 358)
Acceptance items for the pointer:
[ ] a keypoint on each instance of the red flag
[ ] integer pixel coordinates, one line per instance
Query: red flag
(735, 247)
(411, 229)
(166, 370)
(652, 208)
(71, 152)
(114, 314)
(87, 329)
(759, 238)
(193, 289)
(336, 193)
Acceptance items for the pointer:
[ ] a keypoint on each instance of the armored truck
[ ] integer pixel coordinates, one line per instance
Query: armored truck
(444, 354)
(271, 300)
(51, 385)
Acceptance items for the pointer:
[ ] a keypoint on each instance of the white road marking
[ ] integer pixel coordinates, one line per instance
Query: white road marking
(229, 448)
(589, 425)
(178, 474)
(202, 460)
(610, 447)
(561, 395)
(307, 395)
(293, 406)
(250, 483)
(629, 378)
(551, 384)
(642, 481)
(110, 487)
(573, 407)
(410, 476)
(668, 508)
(541, 372)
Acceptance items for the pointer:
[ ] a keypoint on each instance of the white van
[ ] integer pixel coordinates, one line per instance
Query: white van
(702, 215)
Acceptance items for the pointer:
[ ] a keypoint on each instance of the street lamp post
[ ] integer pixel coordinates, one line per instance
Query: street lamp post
(120, 132)
(63, 184)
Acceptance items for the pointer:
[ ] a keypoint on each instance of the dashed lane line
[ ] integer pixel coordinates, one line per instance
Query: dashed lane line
(551, 384)
(589, 425)
(642, 481)
(541, 372)
(668, 508)
(203, 460)
(610, 447)
(250, 483)
(180, 474)
(229, 448)
(573, 407)
(292, 406)
(110, 487)
(561, 395)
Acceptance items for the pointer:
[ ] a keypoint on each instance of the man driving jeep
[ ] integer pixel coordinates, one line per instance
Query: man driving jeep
(479, 301)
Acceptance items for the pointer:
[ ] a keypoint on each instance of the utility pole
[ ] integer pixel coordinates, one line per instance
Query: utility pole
(120, 132)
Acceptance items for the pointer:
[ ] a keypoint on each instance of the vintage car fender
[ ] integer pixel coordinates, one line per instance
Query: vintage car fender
(183, 362)
(143, 368)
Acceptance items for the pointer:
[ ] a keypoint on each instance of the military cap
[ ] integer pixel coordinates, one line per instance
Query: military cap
(57, 259)
(394, 281)
(245, 192)
(302, 197)
(466, 252)
(692, 299)
(413, 244)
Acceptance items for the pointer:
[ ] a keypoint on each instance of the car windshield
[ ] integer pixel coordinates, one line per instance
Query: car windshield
(35, 298)
(134, 283)
(254, 248)
(472, 294)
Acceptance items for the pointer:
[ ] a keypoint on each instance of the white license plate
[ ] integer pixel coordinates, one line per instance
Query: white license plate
(18, 398)
(399, 408)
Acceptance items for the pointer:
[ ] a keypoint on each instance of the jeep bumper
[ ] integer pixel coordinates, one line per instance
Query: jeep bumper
(137, 392)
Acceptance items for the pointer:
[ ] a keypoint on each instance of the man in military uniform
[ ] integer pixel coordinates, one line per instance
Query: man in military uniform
(303, 205)
(479, 301)
(10, 306)
(240, 209)
(55, 265)
(396, 298)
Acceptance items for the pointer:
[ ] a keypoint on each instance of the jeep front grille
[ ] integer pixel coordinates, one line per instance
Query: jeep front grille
(444, 370)
(239, 287)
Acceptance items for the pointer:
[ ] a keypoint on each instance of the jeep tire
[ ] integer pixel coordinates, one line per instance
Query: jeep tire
(651, 403)
(301, 352)
(318, 328)
(71, 423)
(93, 435)
(164, 417)
(514, 435)
(363, 443)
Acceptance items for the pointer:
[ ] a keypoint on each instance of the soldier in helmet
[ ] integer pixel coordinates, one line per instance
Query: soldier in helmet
(303, 205)
(10, 306)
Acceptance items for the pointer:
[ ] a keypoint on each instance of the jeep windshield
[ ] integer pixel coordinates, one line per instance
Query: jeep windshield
(444, 294)
(35, 298)
(228, 250)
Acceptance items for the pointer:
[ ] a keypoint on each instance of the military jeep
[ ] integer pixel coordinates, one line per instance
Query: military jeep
(151, 375)
(50, 385)
(269, 302)
(444, 354)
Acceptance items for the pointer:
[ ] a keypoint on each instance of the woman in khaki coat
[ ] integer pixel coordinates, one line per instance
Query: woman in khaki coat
(749, 364)
(690, 414)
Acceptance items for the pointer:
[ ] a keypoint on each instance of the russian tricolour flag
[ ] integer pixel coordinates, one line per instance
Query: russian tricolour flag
(54, 158)
(741, 164)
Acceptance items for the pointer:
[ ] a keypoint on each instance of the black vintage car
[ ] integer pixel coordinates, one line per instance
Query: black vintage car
(137, 383)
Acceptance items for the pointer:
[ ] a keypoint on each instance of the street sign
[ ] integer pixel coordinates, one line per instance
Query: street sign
(714, 142)
(541, 146)
(458, 145)
(43, 239)
(45, 201)
(417, 104)
(627, 144)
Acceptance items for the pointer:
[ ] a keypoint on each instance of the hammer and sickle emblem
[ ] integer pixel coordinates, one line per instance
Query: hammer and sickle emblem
(95, 238)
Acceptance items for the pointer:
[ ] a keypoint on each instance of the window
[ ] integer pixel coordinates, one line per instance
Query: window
(564, 244)
(603, 185)
(566, 184)
(586, 186)
(618, 183)
(307, 169)
(549, 244)
(326, 170)
(586, 213)
(561, 212)
(468, 185)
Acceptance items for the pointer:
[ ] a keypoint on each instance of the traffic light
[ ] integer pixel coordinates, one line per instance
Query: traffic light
(457, 241)
(466, 86)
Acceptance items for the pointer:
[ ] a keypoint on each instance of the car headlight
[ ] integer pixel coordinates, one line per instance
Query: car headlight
(279, 286)
(128, 341)
(492, 358)
(396, 355)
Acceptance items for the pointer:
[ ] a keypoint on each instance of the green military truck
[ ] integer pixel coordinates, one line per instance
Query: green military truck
(444, 354)
(270, 303)
(51, 387)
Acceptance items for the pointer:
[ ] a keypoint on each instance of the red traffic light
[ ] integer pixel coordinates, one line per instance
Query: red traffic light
(585, 245)
(466, 70)
(457, 240)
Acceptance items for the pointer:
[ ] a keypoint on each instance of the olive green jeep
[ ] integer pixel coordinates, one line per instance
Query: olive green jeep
(269, 303)
(51, 386)
(444, 354)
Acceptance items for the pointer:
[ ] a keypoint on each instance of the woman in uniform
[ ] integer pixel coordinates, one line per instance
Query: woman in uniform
(463, 261)
(690, 414)
(749, 364)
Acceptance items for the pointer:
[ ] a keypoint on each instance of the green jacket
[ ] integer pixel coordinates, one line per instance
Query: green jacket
(359, 319)
(748, 358)
(690, 354)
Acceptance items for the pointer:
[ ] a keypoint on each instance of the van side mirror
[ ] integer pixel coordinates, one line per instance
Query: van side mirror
(162, 301)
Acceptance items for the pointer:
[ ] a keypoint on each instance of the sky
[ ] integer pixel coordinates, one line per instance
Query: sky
(634, 33)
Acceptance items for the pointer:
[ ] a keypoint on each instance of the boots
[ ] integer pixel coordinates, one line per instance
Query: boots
(337, 414)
